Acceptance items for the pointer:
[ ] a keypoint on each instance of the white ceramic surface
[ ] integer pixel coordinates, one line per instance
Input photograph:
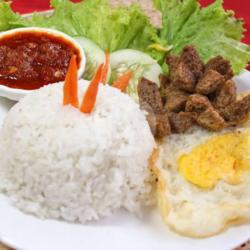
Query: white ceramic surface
(17, 94)
(122, 231)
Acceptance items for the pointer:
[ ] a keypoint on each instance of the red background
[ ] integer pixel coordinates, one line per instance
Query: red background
(241, 8)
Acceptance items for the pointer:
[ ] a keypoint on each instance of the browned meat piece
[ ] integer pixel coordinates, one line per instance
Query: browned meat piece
(210, 82)
(238, 112)
(221, 65)
(180, 122)
(197, 103)
(149, 96)
(150, 100)
(183, 78)
(172, 61)
(180, 74)
(162, 126)
(192, 93)
(159, 124)
(204, 113)
(165, 81)
(226, 95)
(211, 119)
(192, 59)
(175, 99)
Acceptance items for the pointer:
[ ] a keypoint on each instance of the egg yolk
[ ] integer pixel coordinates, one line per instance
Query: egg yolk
(223, 157)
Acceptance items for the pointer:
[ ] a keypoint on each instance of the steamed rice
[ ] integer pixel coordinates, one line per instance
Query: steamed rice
(56, 162)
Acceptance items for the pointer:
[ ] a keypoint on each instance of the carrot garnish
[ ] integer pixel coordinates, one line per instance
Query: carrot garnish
(70, 89)
(89, 99)
(105, 68)
(123, 81)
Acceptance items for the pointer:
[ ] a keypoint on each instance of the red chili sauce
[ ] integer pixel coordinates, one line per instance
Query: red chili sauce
(31, 60)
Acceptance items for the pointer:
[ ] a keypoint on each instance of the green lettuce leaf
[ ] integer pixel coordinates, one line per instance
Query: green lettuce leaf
(7, 16)
(117, 28)
(61, 19)
(112, 29)
(212, 30)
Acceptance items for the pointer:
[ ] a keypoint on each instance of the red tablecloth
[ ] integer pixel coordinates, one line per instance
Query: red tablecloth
(241, 8)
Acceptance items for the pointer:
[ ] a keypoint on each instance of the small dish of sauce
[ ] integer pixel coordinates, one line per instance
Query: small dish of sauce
(31, 58)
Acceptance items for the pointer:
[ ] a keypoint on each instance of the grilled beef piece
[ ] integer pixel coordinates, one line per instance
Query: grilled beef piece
(164, 81)
(149, 96)
(192, 59)
(162, 125)
(192, 93)
(150, 100)
(210, 82)
(159, 124)
(237, 112)
(180, 74)
(183, 78)
(210, 119)
(220, 65)
(204, 113)
(226, 95)
(180, 122)
(197, 103)
(175, 99)
(172, 61)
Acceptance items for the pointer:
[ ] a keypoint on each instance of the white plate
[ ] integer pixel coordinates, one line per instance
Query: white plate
(122, 231)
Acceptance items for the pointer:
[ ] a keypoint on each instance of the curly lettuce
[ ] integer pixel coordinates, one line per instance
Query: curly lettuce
(212, 30)
(7, 16)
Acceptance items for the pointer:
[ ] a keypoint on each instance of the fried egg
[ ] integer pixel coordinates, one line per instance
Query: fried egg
(203, 180)
(222, 157)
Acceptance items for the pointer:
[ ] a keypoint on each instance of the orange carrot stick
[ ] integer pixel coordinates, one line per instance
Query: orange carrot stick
(123, 81)
(70, 89)
(105, 68)
(89, 99)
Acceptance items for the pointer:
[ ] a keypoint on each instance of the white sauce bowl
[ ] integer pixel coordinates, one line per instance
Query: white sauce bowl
(15, 93)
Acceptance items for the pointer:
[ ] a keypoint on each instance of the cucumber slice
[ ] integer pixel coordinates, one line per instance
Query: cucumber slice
(141, 64)
(94, 57)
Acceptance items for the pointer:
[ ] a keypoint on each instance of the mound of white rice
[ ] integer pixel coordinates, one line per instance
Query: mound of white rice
(56, 162)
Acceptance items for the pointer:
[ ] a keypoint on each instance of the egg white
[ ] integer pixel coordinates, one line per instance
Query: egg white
(188, 209)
